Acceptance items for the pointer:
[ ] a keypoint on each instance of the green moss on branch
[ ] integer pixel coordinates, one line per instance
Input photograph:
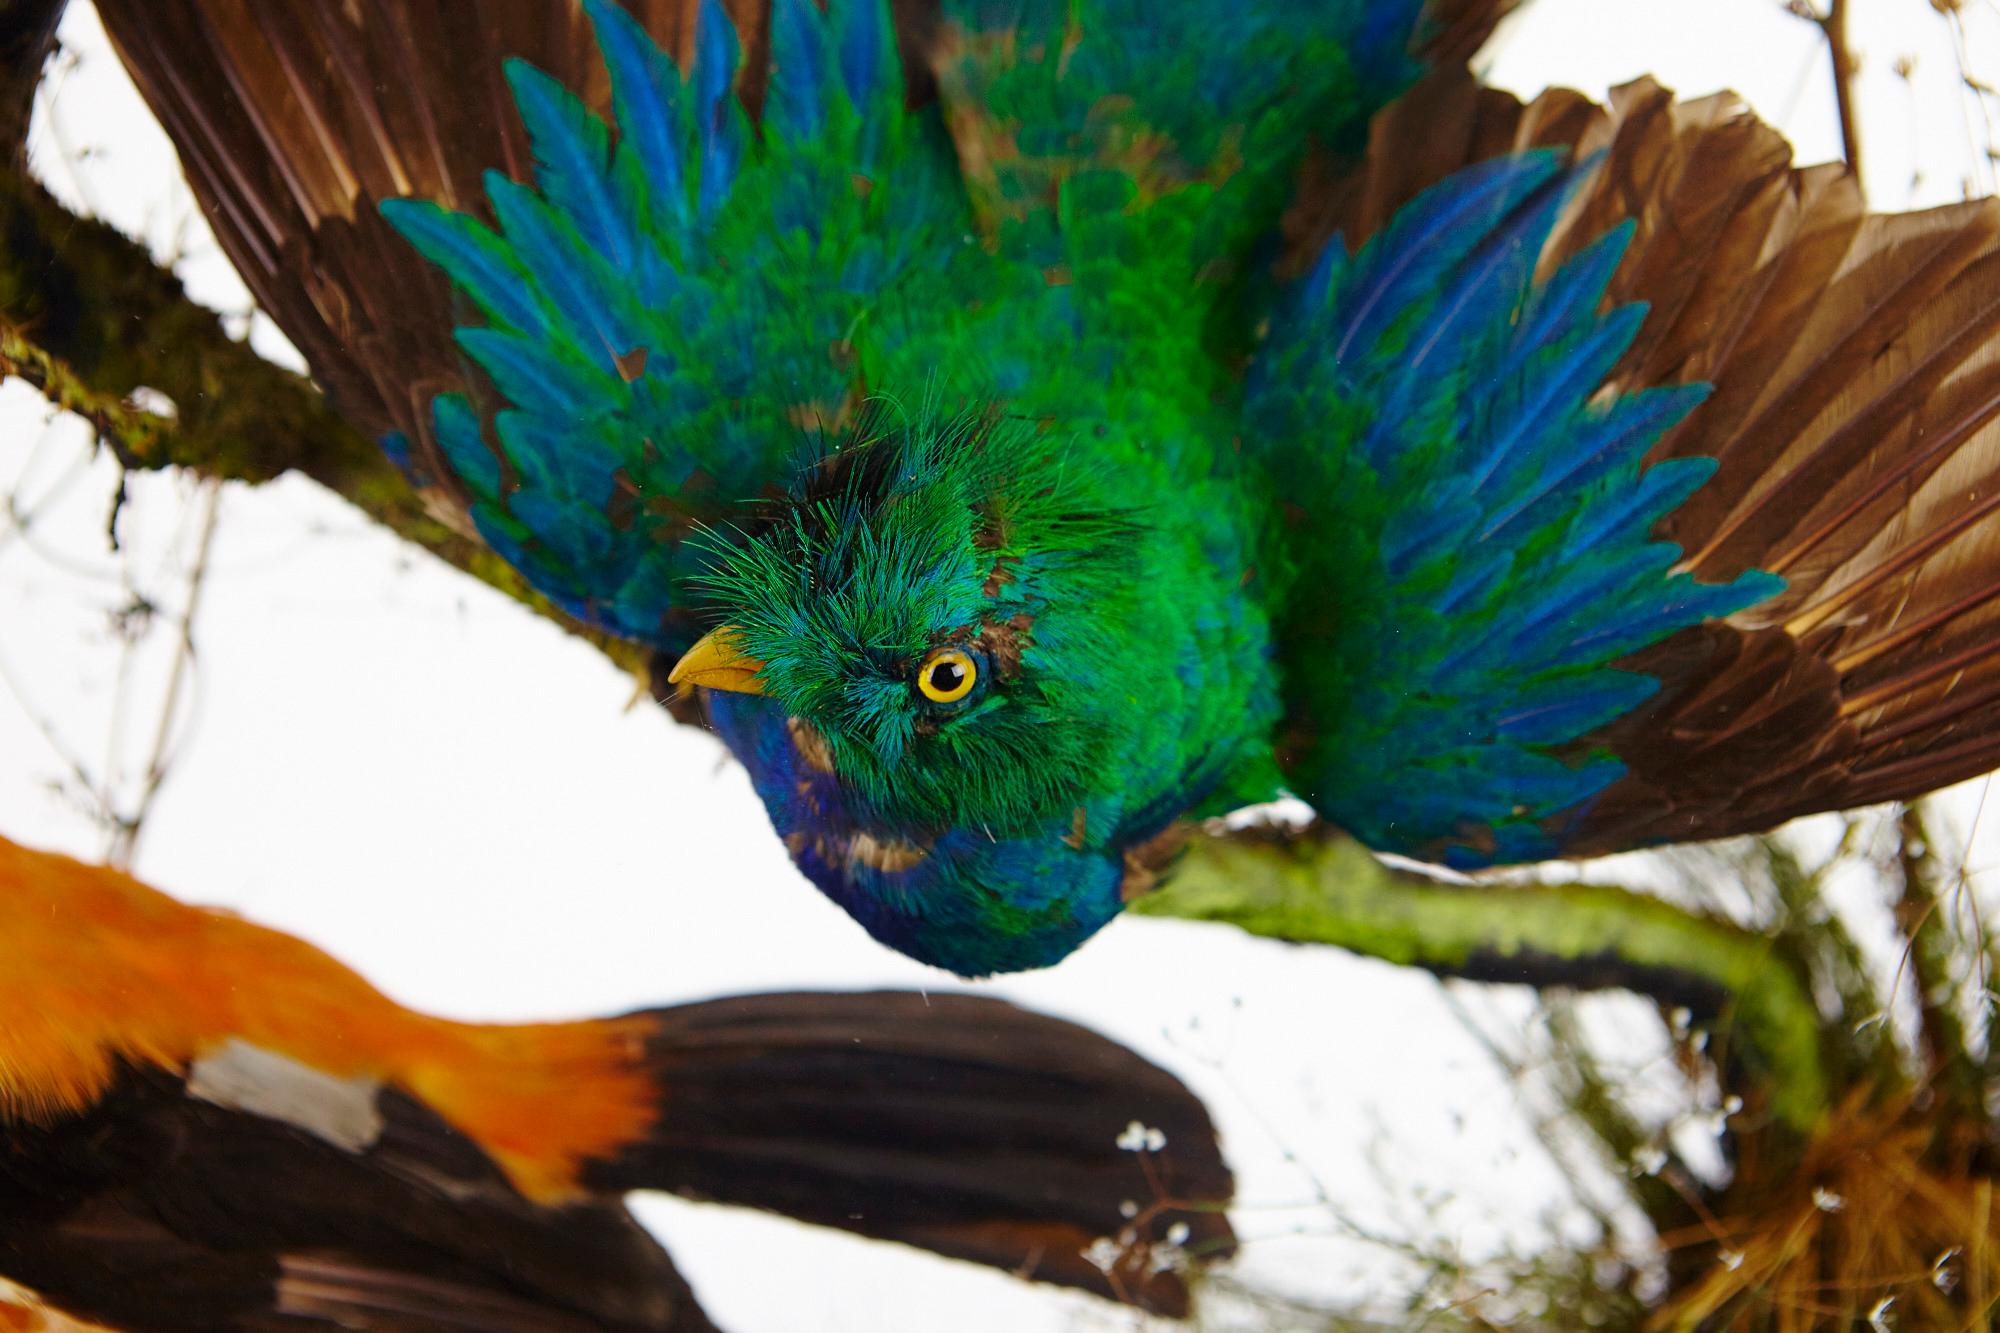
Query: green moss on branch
(1316, 889)
(88, 318)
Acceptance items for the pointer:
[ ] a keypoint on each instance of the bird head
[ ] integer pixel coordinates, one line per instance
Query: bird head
(928, 654)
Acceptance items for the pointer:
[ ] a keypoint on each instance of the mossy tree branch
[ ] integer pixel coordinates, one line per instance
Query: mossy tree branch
(88, 318)
(1319, 888)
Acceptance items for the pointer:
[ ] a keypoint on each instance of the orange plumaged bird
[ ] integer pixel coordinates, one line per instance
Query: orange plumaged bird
(207, 1124)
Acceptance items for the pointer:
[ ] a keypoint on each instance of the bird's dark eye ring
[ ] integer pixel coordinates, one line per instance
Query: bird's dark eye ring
(947, 675)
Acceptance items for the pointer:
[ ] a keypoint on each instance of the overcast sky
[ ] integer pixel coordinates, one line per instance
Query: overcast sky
(387, 758)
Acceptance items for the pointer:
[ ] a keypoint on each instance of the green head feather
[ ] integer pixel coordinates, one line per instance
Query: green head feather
(935, 532)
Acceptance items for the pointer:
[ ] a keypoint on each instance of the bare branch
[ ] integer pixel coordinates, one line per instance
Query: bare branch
(1923, 913)
(1834, 24)
(125, 837)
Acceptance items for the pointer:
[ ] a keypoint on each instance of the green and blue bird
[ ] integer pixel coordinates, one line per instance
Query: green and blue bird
(1034, 427)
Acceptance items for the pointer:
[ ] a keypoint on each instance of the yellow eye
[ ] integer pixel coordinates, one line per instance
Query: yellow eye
(947, 676)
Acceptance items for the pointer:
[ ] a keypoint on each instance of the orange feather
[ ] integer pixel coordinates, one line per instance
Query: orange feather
(95, 967)
(22, 1312)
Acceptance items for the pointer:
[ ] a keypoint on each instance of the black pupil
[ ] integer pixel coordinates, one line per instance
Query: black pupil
(947, 676)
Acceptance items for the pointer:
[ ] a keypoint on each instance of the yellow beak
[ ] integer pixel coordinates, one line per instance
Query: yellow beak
(719, 663)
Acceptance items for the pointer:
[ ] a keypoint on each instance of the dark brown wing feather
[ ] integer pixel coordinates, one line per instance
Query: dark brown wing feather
(294, 120)
(1855, 418)
(949, 1122)
(157, 1212)
(1452, 31)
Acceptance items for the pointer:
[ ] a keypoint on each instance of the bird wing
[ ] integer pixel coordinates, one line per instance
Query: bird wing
(158, 1208)
(198, 1114)
(668, 324)
(658, 305)
(293, 122)
(1815, 544)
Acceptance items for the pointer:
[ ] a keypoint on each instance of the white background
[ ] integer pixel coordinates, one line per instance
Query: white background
(387, 758)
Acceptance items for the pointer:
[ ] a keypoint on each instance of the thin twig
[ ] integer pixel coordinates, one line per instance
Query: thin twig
(1834, 25)
(125, 838)
(1925, 916)
(1977, 99)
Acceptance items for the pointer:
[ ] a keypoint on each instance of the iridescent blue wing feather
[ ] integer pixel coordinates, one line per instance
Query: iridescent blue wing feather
(1477, 553)
(671, 310)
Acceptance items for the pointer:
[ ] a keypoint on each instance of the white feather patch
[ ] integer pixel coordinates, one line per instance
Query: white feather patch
(248, 1078)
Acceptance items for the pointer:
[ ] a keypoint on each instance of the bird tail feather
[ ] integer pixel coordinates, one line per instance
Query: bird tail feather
(956, 1123)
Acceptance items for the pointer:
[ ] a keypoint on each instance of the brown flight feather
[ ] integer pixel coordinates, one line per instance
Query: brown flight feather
(1855, 420)
(294, 120)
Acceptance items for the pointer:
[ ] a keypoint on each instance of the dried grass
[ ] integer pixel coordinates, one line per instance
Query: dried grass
(1884, 1220)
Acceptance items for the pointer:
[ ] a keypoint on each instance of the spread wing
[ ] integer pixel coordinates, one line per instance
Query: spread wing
(673, 281)
(293, 121)
(1814, 554)
(657, 304)
(157, 1209)
(667, 321)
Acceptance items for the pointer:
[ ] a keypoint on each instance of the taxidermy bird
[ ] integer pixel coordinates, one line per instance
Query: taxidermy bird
(1032, 427)
(205, 1124)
